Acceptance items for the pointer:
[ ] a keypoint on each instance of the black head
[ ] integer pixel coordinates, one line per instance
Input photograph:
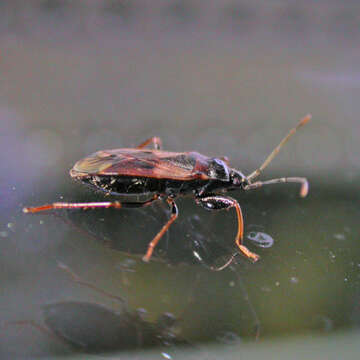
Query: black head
(226, 177)
(218, 170)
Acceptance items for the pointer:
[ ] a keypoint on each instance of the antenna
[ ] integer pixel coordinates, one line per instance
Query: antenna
(268, 160)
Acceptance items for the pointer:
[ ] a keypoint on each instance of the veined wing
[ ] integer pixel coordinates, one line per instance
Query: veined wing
(144, 163)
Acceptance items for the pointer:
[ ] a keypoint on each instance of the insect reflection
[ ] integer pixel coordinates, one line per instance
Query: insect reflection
(91, 327)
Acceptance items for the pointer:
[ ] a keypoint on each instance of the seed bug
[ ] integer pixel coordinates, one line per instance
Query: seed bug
(165, 175)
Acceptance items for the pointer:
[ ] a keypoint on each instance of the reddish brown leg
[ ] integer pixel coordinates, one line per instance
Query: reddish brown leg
(156, 239)
(220, 203)
(156, 141)
(84, 206)
(89, 205)
(116, 205)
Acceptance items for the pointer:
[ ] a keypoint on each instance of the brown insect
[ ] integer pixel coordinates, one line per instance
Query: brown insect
(166, 175)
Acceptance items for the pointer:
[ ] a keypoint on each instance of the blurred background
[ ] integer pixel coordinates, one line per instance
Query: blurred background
(224, 77)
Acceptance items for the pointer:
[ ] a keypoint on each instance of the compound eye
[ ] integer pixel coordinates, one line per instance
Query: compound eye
(237, 179)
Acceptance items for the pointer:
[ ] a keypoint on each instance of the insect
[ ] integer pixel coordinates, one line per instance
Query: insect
(165, 175)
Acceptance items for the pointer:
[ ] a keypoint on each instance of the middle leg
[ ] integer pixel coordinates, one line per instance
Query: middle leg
(155, 141)
(165, 228)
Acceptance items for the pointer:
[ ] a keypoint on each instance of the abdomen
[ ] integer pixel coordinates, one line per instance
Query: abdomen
(131, 185)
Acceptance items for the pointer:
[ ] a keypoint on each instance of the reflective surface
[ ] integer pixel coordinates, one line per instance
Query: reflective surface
(222, 80)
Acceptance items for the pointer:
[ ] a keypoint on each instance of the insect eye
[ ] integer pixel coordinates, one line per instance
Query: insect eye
(237, 179)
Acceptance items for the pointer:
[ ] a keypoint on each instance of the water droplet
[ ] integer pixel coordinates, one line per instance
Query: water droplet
(229, 338)
(127, 265)
(277, 283)
(339, 236)
(261, 239)
(197, 256)
(323, 323)
(266, 289)
(41, 222)
(166, 355)
(232, 283)
(11, 226)
(294, 280)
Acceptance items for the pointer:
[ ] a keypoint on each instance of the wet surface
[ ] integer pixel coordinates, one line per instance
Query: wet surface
(293, 289)
(230, 96)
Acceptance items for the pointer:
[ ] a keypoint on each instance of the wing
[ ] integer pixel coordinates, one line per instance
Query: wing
(144, 163)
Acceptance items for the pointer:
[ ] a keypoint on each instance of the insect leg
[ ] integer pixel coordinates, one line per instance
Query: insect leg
(139, 204)
(156, 141)
(89, 205)
(156, 239)
(268, 160)
(60, 205)
(303, 181)
(76, 278)
(216, 202)
(35, 325)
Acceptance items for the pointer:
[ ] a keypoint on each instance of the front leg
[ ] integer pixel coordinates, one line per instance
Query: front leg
(216, 202)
